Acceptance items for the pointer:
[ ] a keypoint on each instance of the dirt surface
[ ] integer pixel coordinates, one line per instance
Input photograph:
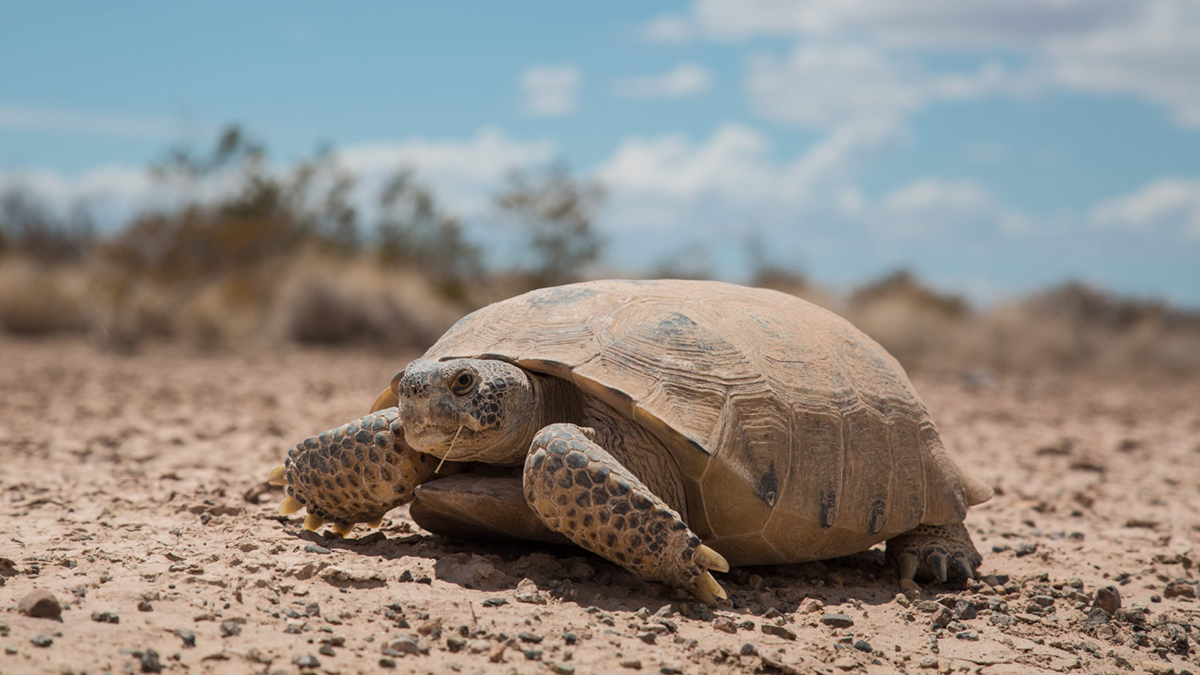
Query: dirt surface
(132, 490)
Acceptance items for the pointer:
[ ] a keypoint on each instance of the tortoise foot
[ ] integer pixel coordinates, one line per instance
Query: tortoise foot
(939, 552)
(577, 488)
(352, 474)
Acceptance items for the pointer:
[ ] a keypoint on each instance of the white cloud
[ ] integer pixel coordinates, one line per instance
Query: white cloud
(666, 28)
(985, 152)
(1146, 48)
(933, 205)
(686, 79)
(21, 118)
(824, 84)
(672, 182)
(1165, 204)
(463, 173)
(550, 91)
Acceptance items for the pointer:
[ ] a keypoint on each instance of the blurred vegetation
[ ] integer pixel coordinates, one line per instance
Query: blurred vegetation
(245, 253)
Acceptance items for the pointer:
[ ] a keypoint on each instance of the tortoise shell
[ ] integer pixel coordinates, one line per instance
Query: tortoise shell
(798, 437)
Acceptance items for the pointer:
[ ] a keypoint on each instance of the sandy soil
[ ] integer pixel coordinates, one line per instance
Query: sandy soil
(133, 486)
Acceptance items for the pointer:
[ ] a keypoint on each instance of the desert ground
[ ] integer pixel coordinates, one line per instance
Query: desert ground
(133, 491)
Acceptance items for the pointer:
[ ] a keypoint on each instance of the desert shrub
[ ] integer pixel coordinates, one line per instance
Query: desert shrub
(40, 299)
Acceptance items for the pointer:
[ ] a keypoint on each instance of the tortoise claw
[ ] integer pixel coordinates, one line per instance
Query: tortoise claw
(707, 590)
(343, 529)
(278, 476)
(937, 564)
(963, 567)
(289, 505)
(313, 522)
(709, 558)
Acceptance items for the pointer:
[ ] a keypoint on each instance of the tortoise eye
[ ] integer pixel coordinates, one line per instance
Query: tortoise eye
(464, 383)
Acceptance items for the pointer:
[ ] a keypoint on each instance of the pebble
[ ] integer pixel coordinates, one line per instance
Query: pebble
(967, 635)
(837, 620)
(902, 600)
(150, 662)
(326, 650)
(10, 650)
(648, 637)
(455, 644)
(405, 645)
(527, 592)
(105, 617)
(308, 661)
(929, 662)
(188, 637)
(1179, 589)
(40, 640)
(1157, 667)
(494, 602)
(570, 638)
(779, 631)
(810, 605)
(40, 604)
(385, 662)
(863, 646)
(145, 606)
(313, 548)
(1097, 617)
(563, 669)
(230, 629)
(964, 610)
(1026, 548)
(748, 650)
(526, 636)
(632, 663)
(942, 618)
(1042, 600)
(724, 625)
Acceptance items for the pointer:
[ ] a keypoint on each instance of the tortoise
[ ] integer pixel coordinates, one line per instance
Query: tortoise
(672, 427)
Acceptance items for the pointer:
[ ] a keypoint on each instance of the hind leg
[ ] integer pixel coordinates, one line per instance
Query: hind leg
(934, 551)
(577, 488)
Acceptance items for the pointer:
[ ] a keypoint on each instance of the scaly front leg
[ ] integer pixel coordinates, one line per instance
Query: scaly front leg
(577, 488)
(352, 474)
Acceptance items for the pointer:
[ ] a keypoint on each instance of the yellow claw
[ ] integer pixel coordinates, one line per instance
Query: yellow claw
(289, 505)
(709, 558)
(313, 522)
(343, 528)
(707, 590)
(276, 477)
(909, 583)
(375, 524)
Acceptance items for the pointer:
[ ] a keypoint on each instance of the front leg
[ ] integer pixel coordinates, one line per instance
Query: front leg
(352, 474)
(578, 489)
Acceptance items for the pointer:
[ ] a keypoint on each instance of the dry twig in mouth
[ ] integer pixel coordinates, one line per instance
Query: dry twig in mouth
(447, 455)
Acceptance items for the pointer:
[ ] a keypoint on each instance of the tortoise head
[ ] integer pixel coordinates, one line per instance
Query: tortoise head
(468, 409)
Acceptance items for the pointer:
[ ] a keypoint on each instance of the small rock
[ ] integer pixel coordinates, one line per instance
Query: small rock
(145, 606)
(1179, 589)
(929, 662)
(405, 645)
(563, 669)
(724, 625)
(837, 620)
(632, 663)
(230, 629)
(928, 606)
(1096, 617)
(526, 636)
(964, 610)
(326, 650)
(150, 662)
(385, 662)
(648, 637)
(494, 602)
(863, 646)
(105, 617)
(1158, 668)
(1042, 600)
(942, 618)
(308, 661)
(40, 604)
(748, 650)
(1108, 599)
(1026, 548)
(778, 631)
(455, 644)
(570, 638)
(527, 591)
(313, 548)
(10, 650)
(967, 635)
(810, 605)
(188, 637)
(902, 600)
(312, 609)
(40, 640)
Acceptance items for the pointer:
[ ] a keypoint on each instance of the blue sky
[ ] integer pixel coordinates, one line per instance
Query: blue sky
(992, 148)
